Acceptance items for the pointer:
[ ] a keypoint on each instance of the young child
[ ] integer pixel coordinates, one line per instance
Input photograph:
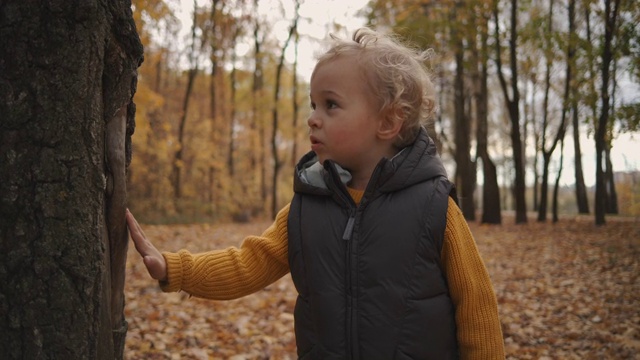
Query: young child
(383, 261)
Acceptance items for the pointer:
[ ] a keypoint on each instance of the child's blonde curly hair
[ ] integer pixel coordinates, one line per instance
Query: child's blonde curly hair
(396, 74)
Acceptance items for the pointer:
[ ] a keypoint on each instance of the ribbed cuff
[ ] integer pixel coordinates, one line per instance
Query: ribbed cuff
(173, 282)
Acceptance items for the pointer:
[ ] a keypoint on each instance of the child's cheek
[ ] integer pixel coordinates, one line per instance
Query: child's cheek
(343, 136)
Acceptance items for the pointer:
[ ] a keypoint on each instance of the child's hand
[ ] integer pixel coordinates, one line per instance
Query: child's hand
(152, 258)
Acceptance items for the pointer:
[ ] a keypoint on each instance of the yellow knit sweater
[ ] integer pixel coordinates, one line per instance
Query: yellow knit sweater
(235, 272)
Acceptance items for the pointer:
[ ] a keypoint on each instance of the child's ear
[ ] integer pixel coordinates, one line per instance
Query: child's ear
(391, 124)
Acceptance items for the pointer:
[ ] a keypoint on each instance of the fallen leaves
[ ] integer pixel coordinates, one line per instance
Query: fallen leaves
(565, 291)
(177, 326)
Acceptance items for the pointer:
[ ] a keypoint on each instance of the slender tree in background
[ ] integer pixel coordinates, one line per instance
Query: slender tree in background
(233, 84)
(548, 47)
(566, 101)
(611, 199)
(610, 16)
(582, 200)
(513, 106)
(465, 178)
(529, 61)
(491, 212)
(257, 121)
(529, 114)
(67, 82)
(294, 101)
(547, 153)
(191, 77)
(213, 99)
(556, 186)
(277, 162)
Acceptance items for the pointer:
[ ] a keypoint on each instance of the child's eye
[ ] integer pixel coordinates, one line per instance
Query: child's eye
(331, 104)
(313, 106)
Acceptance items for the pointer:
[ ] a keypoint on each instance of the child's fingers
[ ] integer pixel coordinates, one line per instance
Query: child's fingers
(134, 227)
(151, 257)
(137, 235)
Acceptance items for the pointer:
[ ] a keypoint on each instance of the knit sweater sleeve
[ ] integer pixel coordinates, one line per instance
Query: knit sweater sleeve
(478, 326)
(233, 272)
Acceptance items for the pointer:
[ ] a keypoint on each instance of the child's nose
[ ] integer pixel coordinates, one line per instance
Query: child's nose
(313, 120)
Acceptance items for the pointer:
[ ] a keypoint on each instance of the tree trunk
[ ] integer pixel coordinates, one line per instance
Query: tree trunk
(546, 154)
(529, 121)
(556, 187)
(232, 119)
(294, 103)
(513, 103)
(544, 187)
(542, 211)
(612, 195)
(213, 104)
(463, 178)
(257, 123)
(69, 72)
(581, 189)
(610, 16)
(536, 145)
(191, 77)
(491, 213)
(277, 163)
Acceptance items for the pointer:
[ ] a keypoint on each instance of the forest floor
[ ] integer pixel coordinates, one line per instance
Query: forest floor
(569, 290)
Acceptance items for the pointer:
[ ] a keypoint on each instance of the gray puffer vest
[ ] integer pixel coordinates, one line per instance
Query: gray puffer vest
(369, 279)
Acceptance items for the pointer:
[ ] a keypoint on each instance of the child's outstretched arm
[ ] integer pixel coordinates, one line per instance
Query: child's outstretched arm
(152, 258)
(232, 272)
(219, 274)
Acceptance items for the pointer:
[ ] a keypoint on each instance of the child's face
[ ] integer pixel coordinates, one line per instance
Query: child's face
(344, 121)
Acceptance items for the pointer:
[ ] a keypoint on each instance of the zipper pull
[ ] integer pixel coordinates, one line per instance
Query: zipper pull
(348, 231)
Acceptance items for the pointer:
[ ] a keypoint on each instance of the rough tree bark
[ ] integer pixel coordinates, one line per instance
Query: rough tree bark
(68, 72)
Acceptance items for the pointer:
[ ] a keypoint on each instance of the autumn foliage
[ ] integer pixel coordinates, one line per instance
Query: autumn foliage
(221, 114)
(565, 291)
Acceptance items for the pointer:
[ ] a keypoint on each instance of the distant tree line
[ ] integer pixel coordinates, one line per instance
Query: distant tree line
(515, 80)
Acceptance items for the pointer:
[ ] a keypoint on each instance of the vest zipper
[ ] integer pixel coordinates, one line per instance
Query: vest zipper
(348, 231)
(352, 351)
(346, 236)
